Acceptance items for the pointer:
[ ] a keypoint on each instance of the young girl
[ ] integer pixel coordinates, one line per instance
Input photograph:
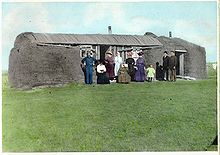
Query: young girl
(150, 73)
(123, 76)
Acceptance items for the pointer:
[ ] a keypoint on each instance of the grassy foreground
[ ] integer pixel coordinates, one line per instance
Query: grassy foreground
(159, 116)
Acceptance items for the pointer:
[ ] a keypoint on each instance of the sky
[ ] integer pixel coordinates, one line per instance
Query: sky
(193, 21)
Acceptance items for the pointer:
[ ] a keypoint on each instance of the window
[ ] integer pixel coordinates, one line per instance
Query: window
(85, 48)
(82, 53)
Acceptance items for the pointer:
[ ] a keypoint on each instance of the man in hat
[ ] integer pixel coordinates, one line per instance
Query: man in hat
(109, 64)
(89, 61)
(172, 66)
(165, 66)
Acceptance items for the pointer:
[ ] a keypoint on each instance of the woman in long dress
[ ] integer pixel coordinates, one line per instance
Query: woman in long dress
(118, 62)
(101, 74)
(109, 64)
(140, 73)
(130, 61)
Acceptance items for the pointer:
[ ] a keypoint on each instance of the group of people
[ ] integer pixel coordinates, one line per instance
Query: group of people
(113, 68)
(167, 71)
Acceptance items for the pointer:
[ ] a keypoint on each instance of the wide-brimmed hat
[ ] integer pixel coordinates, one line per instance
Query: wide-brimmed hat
(109, 52)
(129, 53)
(140, 53)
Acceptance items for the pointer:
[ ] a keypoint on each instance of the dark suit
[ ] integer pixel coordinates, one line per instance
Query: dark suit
(166, 67)
(172, 67)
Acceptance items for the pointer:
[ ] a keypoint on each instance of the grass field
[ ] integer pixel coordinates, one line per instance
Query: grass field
(159, 116)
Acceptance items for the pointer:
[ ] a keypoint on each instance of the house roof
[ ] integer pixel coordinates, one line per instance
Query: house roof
(94, 39)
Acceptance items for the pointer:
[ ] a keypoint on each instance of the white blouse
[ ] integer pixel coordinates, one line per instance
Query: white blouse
(101, 68)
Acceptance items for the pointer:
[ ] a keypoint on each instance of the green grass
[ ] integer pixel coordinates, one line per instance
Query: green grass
(159, 116)
(211, 71)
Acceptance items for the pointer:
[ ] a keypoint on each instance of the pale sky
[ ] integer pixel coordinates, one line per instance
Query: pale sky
(193, 21)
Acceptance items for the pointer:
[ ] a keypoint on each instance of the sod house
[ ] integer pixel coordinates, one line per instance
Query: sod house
(39, 59)
(48, 59)
(191, 57)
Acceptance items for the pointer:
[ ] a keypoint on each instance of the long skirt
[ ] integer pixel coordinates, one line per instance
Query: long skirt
(110, 71)
(102, 78)
(131, 72)
(140, 74)
(124, 78)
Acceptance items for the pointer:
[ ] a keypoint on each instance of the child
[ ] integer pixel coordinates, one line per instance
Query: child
(123, 76)
(150, 73)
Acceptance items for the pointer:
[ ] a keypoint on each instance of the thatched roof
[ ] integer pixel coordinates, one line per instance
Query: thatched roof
(93, 39)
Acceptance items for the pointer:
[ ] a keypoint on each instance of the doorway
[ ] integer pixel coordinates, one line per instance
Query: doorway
(180, 62)
(103, 50)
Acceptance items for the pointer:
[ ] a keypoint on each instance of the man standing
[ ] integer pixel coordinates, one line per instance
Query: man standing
(172, 66)
(89, 62)
(165, 66)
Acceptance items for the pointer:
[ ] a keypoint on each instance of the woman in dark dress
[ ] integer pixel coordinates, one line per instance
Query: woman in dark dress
(131, 70)
(140, 73)
(101, 74)
(159, 72)
(109, 64)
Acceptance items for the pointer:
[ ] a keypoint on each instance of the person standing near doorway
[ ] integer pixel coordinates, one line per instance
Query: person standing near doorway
(89, 61)
(140, 75)
(118, 62)
(172, 66)
(166, 66)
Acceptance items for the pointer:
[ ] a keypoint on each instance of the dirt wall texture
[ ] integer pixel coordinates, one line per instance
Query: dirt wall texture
(31, 65)
(194, 58)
